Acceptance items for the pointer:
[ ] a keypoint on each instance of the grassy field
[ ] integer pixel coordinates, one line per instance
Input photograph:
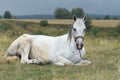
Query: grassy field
(98, 23)
(104, 52)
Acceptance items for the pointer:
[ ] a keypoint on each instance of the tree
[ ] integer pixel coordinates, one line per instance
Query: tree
(0, 17)
(7, 15)
(115, 18)
(78, 12)
(107, 17)
(88, 23)
(62, 13)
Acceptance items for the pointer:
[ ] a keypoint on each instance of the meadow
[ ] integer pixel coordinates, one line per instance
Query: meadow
(103, 51)
(99, 23)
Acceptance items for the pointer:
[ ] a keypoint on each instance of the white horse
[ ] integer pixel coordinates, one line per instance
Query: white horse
(62, 50)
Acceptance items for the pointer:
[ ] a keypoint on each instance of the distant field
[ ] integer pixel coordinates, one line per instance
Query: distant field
(105, 23)
(98, 23)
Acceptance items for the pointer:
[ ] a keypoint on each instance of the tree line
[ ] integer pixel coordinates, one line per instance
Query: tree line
(108, 17)
(60, 13)
(63, 13)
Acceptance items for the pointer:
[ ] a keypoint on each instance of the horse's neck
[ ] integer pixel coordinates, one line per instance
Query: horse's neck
(66, 47)
(71, 44)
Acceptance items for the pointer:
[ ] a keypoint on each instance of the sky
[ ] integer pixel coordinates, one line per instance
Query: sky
(30, 7)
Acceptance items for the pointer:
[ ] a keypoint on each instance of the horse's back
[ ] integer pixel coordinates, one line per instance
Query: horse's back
(39, 46)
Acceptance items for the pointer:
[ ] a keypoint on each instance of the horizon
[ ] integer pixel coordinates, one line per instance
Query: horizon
(53, 14)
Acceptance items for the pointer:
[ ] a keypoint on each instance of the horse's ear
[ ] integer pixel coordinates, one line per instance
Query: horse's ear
(84, 18)
(74, 17)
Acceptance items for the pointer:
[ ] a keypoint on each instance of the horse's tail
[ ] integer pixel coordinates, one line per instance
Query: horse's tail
(11, 53)
(12, 50)
(17, 47)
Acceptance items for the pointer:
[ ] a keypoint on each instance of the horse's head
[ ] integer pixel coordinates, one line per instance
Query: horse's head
(77, 32)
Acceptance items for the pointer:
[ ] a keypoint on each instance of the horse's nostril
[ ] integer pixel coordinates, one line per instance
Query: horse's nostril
(82, 45)
(79, 46)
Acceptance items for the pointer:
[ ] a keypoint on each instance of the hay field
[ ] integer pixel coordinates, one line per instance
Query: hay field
(105, 23)
(98, 23)
(104, 52)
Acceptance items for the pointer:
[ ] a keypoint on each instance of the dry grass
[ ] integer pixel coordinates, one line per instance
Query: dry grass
(98, 23)
(106, 23)
(103, 52)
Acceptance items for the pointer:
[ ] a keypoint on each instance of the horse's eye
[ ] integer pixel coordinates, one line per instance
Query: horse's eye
(74, 29)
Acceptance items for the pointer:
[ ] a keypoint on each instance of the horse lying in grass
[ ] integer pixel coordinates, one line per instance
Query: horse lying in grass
(62, 50)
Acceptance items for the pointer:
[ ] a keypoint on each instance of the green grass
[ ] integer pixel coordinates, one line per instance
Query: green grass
(104, 52)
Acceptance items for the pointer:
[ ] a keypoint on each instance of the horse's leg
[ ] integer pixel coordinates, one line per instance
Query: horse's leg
(83, 62)
(61, 61)
(82, 52)
(25, 49)
(24, 59)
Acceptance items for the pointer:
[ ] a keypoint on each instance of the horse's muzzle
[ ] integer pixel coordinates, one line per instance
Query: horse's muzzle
(79, 46)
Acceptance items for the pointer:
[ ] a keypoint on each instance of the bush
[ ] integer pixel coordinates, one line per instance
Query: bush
(4, 27)
(24, 24)
(88, 23)
(118, 29)
(112, 34)
(95, 31)
(44, 23)
(39, 32)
